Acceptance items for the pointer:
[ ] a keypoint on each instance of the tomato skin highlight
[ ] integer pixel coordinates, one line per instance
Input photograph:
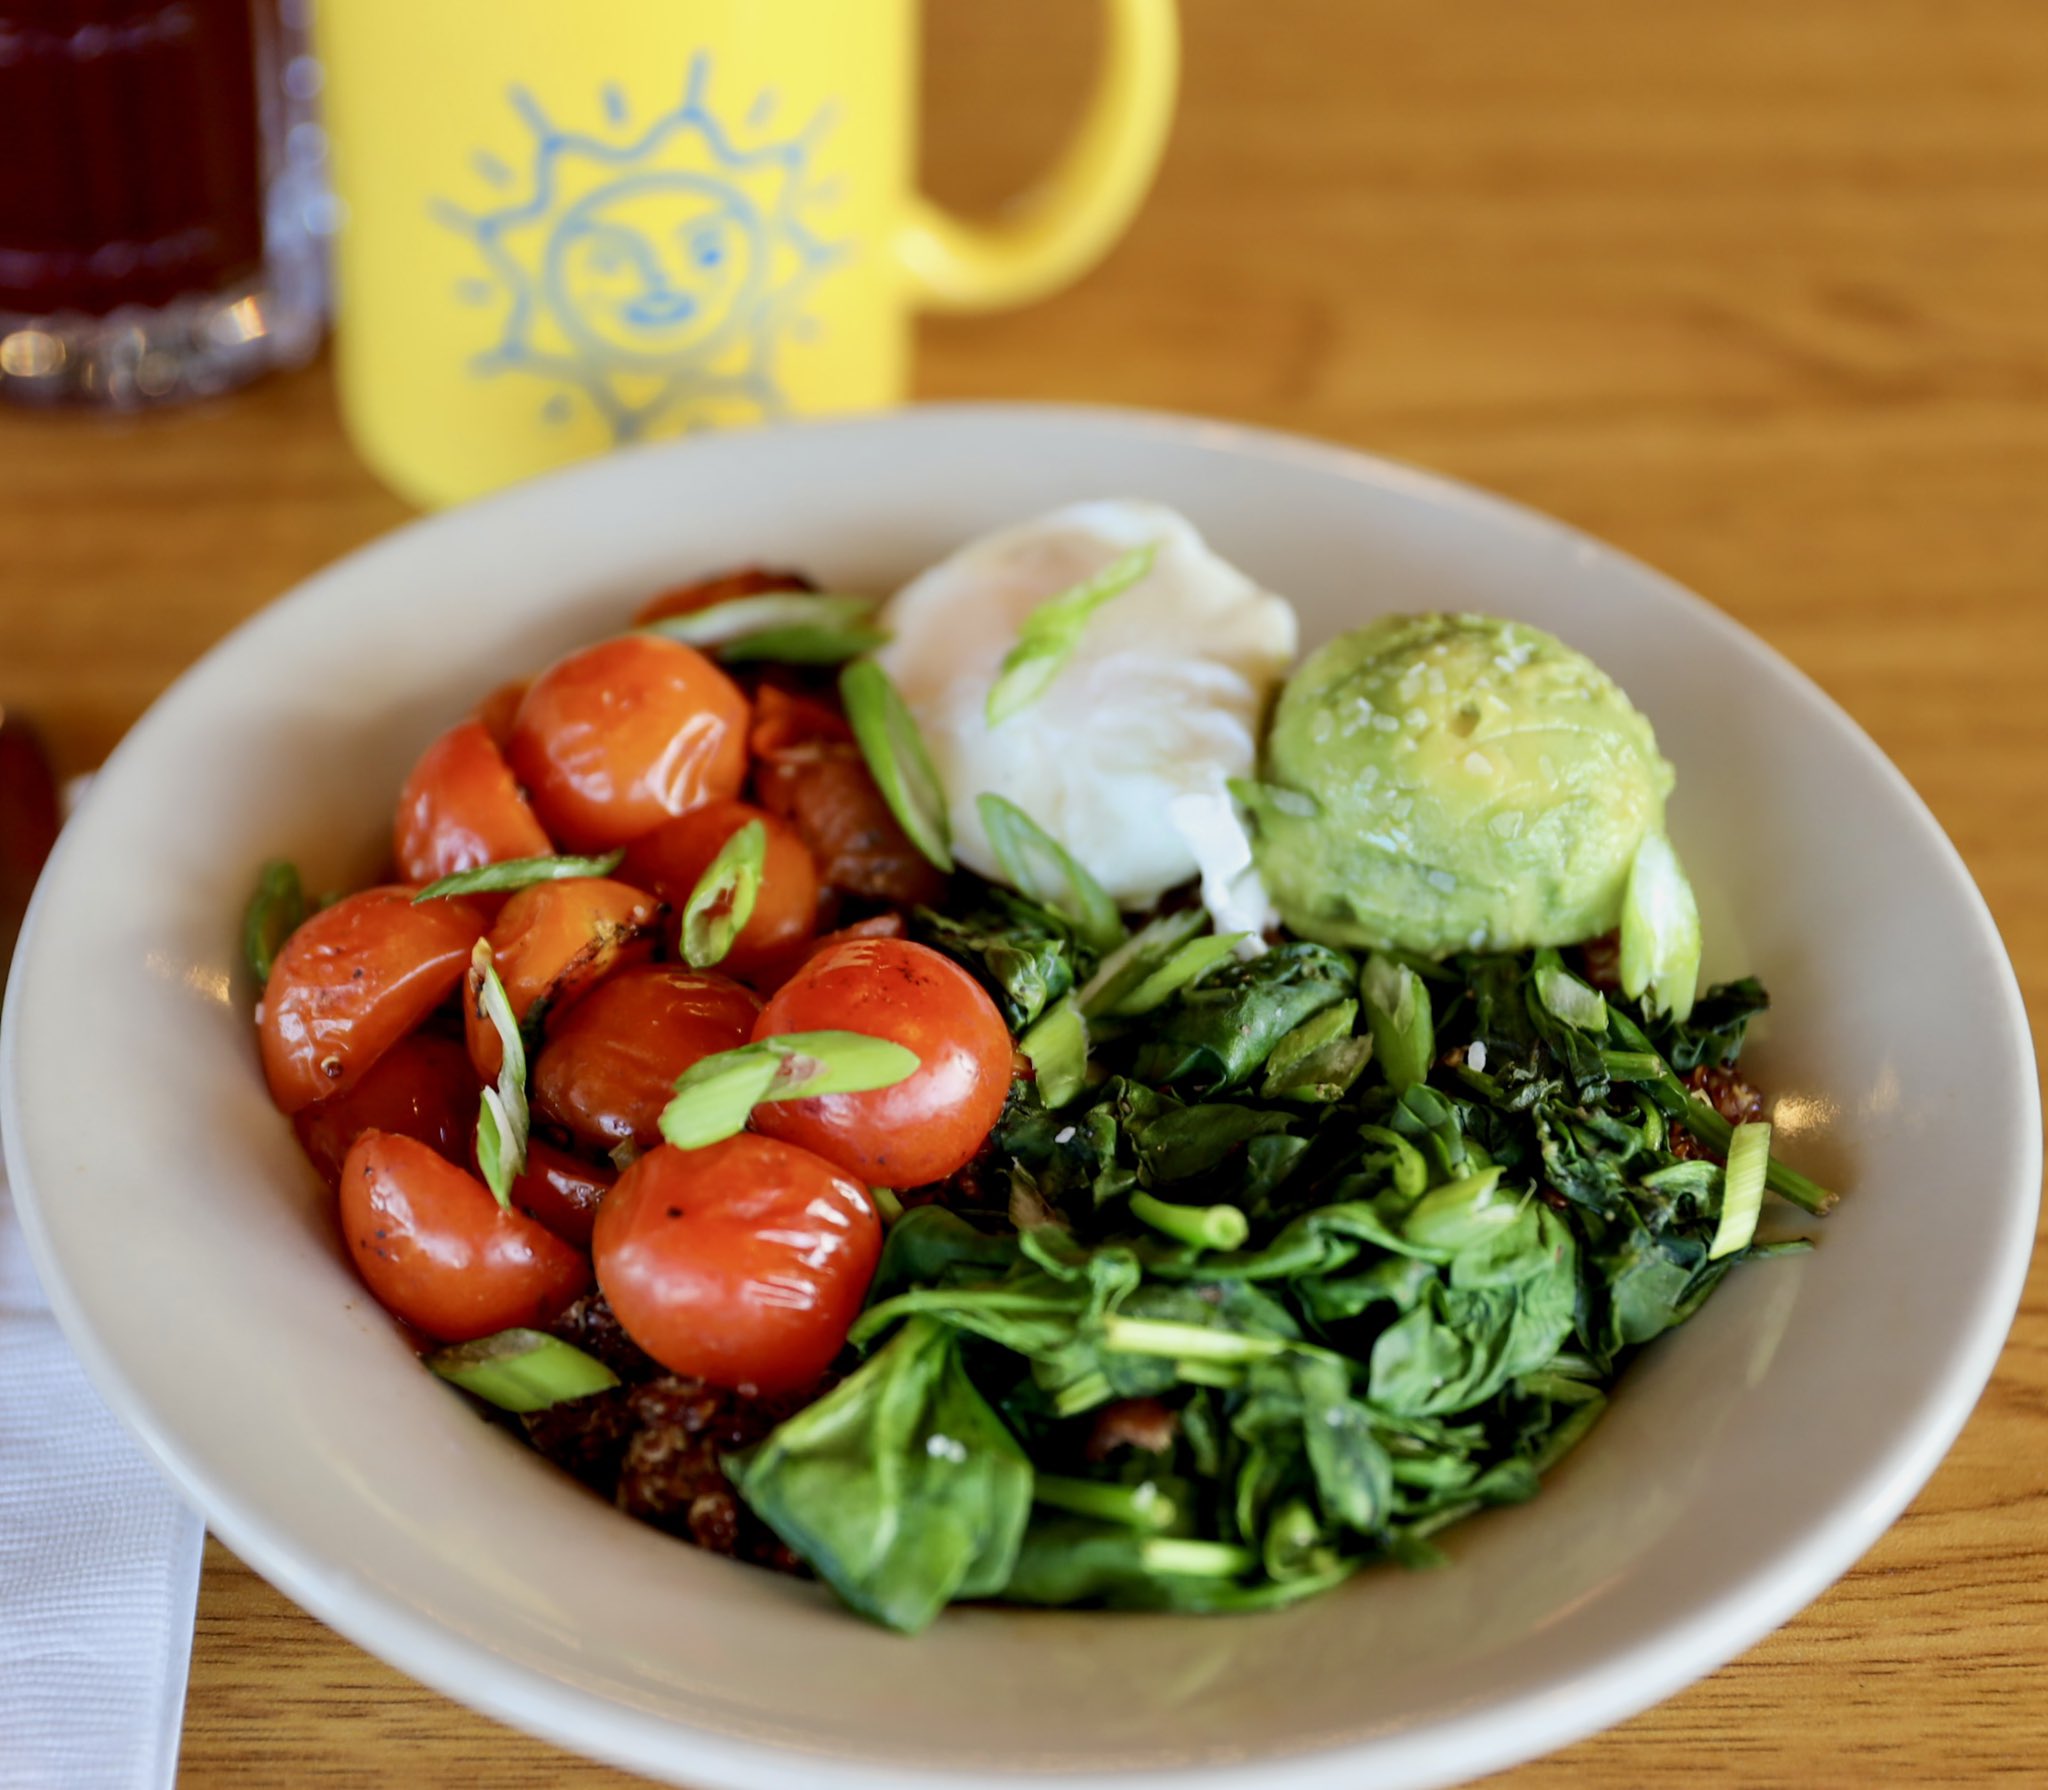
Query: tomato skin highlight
(561, 1191)
(461, 810)
(610, 1064)
(437, 1250)
(744, 1263)
(552, 943)
(922, 1129)
(615, 739)
(672, 858)
(351, 982)
(423, 1087)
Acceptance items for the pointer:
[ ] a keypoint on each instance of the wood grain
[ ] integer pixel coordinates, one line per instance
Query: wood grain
(1758, 291)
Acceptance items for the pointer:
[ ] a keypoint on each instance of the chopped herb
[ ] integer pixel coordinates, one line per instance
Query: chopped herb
(1049, 634)
(896, 758)
(715, 1097)
(276, 910)
(522, 1370)
(518, 873)
(722, 903)
(502, 1122)
(1039, 867)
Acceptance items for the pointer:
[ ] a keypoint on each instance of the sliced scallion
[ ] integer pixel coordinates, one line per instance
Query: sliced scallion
(518, 873)
(1049, 634)
(1036, 865)
(1057, 1046)
(722, 903)
(522, 1370)
(1660, 931)
(1183, 969)
(896, 758)
(1140, 1506)
(276, 910)
(1200, 1227)
(715, 1097)
(1397, 1012)
(796, 627)
(1565, 998)
(502, 1122)
(1742, 1189)
(1137, 957)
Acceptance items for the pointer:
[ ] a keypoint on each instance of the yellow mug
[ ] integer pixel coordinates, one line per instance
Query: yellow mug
(570, 224)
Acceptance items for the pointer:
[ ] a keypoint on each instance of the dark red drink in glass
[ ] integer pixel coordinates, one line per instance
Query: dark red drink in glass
(159, 197)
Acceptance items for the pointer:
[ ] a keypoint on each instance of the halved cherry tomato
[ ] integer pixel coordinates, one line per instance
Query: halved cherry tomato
(922, 1129)
(611, 1063)
(670, 859)
(460, 810)
(498, 710)
(614, 740)
(808, 770)
(551, 943)
(351, 982)
(422, 1087)
(744, 1263)
(440, 1253)
(562, 1191)
(745, 581)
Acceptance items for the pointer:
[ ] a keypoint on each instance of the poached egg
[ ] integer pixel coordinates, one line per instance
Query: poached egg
(1124, 757)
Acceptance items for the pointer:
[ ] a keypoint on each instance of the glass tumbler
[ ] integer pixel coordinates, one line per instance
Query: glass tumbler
(162, 200)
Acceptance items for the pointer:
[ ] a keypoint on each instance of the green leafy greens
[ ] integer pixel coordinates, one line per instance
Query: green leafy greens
(1353, 1302)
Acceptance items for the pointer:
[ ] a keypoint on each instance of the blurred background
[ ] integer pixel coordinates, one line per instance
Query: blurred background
(1757, 291)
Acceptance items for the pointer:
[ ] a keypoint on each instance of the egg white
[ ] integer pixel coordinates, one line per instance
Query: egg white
(1161, 699)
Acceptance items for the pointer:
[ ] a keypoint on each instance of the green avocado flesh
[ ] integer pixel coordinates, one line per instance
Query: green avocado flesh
(1442, 783)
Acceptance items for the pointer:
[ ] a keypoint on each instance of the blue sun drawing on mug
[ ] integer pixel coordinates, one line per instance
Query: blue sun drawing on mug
(652, 273)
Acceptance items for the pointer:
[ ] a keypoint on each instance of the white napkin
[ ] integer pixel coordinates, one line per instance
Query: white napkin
(99, 1568)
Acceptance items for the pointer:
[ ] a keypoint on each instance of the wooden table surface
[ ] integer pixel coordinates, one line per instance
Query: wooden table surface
(1757, 290)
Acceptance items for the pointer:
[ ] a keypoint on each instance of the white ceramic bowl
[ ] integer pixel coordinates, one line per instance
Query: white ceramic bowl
(1748, 1460)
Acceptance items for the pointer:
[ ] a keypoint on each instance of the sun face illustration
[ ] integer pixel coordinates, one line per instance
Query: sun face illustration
(653, 272)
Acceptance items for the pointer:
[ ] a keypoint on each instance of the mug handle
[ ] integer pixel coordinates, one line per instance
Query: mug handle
(1067, 225)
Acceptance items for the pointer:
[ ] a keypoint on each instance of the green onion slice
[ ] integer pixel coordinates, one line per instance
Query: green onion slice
(1057, 1046)
(1049, 634)
(502, 1121)
(1183, 969)
(1142, 1506)
(1742, 1189)
(1036, 865)
(1200, 1227)
(1565, 998)
(723, 901)
(1660, 931)
(522, 1370)
(896, 758)
(518, 873)
(1397, 1013)
(276, 910)
(795, 627)
(1137, 957)
(715, 1097)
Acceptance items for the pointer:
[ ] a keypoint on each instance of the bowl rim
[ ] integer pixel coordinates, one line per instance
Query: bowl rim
(1753, 1601)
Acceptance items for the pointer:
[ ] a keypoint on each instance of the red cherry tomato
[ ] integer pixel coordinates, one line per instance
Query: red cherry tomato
(611, 1064)
(498, 710)
(922, 1129)
(351, 982)
(743, 1264)
(422, 1087)
(553, 942)
(440, 1253)
(746, 581)
(460, 810)
(562, 1191)
(614, 740)
(670, 859)
(808, 770)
